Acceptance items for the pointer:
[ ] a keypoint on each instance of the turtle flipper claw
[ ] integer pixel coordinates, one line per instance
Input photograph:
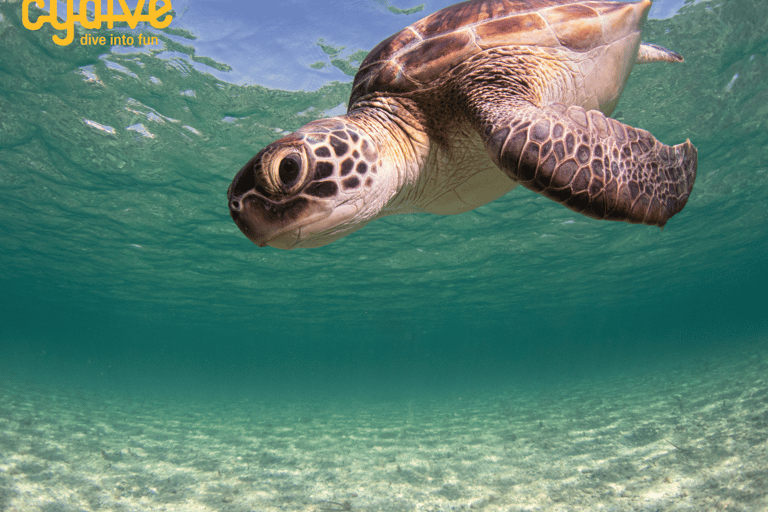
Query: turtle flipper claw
(593, 164)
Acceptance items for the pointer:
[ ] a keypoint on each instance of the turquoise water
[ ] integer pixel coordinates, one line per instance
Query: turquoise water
(123, 274)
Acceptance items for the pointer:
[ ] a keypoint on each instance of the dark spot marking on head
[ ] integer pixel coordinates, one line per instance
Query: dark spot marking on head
(323, 170)
(351, 182)
(339, 147)
(546, 148)
(346, 166)
(340, 134)
(598, 151)
(355, 137)
(323, 152)
(362, 167)
(557, 132)
(368, 181)
(322, 189)
(356, 154)
(373, 169)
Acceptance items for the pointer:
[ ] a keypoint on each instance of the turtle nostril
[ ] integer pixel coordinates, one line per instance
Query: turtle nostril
(235, 205)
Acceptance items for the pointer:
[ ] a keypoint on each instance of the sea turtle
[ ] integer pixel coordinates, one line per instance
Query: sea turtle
(457, 109)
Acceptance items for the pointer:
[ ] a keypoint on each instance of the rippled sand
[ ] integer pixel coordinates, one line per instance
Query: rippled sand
(691, 439)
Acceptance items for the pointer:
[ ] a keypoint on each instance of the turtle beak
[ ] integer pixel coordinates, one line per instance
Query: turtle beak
(266, 222)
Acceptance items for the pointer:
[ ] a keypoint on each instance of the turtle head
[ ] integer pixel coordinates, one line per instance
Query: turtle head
(307, 189)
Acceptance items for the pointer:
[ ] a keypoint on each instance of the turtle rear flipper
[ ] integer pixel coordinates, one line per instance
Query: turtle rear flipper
(654, 53)
(592, 164)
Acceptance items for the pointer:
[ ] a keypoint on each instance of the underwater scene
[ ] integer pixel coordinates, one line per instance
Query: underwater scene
(516, 357)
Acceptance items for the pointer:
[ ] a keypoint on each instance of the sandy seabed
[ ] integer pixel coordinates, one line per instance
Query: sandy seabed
(691, 439)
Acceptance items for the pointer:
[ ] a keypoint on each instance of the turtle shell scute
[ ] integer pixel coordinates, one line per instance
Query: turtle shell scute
(430, 48)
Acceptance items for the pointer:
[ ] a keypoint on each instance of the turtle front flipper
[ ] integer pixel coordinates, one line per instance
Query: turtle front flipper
(592, 164)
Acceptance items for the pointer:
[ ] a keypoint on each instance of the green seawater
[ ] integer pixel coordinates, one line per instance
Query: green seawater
(118, 240)
(122, 273)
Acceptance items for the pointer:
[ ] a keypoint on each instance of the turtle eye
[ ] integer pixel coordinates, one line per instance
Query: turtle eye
(289, 170)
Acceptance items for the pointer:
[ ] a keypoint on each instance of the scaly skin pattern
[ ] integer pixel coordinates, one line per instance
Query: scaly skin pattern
(593, 164)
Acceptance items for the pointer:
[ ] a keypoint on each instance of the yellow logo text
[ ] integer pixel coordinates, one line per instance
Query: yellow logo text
(131, 18)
